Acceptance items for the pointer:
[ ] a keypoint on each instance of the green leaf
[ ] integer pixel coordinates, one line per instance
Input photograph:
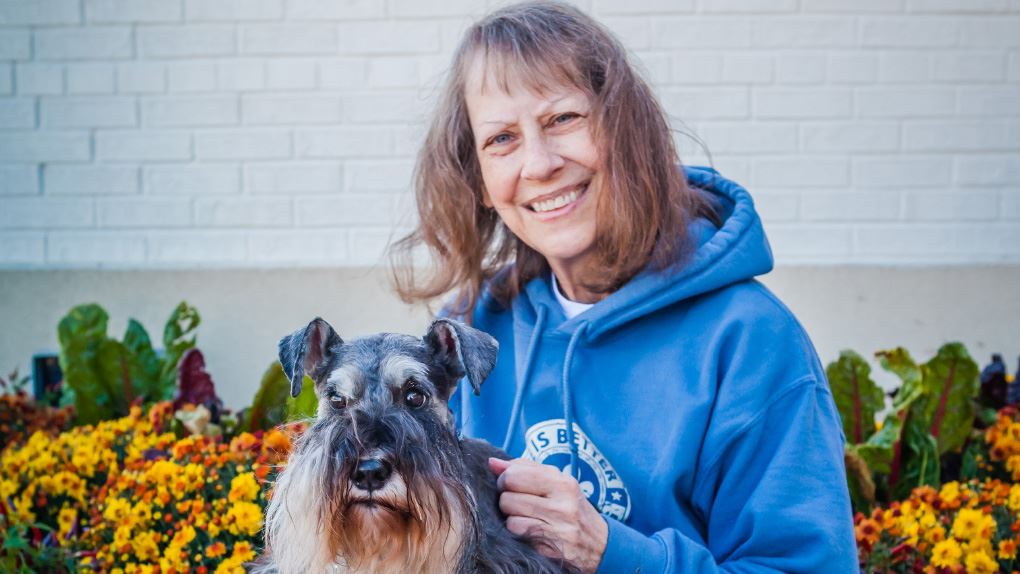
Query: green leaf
(103, 376)
(878, 451)
(951, 385)
(182, 322)
(920, 462)
(857, 397)
(82, 333)
(113, 365)
(14, 541)
(270, 406)
(899, 362)
(144, 363)
(969, 465)
(306, 404)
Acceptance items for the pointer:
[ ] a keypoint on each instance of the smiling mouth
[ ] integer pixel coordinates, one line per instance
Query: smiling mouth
(561, 200)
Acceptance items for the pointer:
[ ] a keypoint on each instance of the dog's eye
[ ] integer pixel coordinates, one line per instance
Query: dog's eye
(415, 398)
(338, 403)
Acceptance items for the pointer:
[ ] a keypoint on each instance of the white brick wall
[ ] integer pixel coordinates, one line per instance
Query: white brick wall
(183, 133)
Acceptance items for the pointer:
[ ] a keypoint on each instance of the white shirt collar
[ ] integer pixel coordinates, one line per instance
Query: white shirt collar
(570, 308)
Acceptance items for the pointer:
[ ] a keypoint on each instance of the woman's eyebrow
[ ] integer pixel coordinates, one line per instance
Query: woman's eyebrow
(545, 108)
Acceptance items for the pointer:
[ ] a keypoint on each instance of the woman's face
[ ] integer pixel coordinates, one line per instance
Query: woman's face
(537, 159)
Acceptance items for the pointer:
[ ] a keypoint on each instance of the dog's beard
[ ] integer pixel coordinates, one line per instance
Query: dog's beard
(399, 530)
(316, 518)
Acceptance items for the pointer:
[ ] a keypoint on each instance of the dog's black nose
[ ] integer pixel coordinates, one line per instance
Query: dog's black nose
(372, 474)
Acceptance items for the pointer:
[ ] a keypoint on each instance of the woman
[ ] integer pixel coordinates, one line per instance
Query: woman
(670, 414)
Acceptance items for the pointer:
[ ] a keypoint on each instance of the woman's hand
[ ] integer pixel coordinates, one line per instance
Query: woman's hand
(538, 500)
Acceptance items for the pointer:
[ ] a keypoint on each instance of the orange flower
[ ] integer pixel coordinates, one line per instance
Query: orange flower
(243, 441)
(1007, 549)
(867, 531)
(276, 442)
(216, 550)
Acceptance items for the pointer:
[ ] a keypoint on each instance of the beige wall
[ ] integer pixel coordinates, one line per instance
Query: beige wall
(244, 312)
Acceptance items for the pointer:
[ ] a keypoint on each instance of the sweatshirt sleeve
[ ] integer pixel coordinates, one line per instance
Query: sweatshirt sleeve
(774, 498)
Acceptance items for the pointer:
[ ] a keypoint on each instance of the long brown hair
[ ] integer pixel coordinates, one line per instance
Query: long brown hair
(646, 203)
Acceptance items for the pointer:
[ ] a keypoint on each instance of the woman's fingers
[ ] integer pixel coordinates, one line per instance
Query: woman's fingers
(498, 465)
(526, 505)
(530, 477)
(548, 506)
(524, 526)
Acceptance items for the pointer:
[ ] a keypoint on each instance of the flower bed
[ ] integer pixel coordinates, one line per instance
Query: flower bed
(970, 527)
(128, 495)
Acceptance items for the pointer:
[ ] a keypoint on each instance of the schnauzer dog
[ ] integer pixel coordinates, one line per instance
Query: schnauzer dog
(381, 482)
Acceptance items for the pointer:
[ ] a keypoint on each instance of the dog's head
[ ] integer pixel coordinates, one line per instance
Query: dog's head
(384, 442)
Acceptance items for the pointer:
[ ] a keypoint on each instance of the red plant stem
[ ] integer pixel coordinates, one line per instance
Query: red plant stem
(941, 411)
(126, 378)
(858, 423)
(894, 467)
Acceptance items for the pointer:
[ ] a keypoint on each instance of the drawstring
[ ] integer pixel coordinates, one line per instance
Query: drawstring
(522, 383)
(568, 408)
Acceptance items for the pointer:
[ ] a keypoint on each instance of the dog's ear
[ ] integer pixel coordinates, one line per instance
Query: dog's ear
(308, 350)
(463, 350)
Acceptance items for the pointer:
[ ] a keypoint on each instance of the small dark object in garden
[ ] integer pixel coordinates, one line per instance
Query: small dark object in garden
(993, 384)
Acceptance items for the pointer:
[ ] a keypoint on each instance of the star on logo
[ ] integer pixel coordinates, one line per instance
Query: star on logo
(616, 496)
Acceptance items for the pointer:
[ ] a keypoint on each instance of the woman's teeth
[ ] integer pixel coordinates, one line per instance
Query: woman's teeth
(556, 202)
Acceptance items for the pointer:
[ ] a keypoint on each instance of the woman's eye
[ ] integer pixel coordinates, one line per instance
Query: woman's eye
(415, 398)
(500, 139)
(338, 403)
(564, 118)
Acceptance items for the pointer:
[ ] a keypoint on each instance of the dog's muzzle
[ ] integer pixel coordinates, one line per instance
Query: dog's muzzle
(371, 474)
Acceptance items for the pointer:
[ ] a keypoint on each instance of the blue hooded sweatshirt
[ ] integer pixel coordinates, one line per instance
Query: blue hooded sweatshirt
(689, 404)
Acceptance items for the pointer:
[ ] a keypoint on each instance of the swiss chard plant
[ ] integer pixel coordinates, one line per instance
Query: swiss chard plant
(103, 377)
(273, 405)
(927, 429)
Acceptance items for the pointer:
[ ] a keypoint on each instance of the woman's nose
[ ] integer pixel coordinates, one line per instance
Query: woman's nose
(541, 160)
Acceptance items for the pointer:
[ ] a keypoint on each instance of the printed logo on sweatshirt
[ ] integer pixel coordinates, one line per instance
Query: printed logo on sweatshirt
(548, 444)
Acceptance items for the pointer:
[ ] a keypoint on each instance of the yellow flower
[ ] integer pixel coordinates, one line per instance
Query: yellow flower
(971, 523)
(912, 531)
(216, 549)
(981, 563)
(142, 512)
(946, 554)
(243, 487)
(117, 510)
(1014, 497)
(1013, 466)
(7, 488)
(978, 545)
(66, 520)
(950, 493)
(147, 546)
(230, 566)
(244, 518)
(243, 551)
(122, 536)
(183, 536)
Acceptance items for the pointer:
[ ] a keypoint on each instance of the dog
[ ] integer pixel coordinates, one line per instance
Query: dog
(381, 482)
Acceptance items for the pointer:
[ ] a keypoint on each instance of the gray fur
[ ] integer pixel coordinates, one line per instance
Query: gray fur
(374, 418)
(465, 350)
(308, 351)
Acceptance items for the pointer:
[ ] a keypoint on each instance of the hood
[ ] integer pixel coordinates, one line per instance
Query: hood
(734, 252)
